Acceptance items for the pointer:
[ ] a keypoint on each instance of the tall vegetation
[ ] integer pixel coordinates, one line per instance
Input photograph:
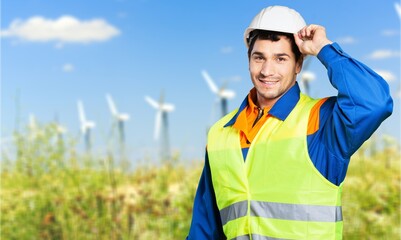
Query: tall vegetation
(50, 191)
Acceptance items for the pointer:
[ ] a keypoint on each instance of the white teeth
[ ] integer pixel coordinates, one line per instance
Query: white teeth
(268, 82)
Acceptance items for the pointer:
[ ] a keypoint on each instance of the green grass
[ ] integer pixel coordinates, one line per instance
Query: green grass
(371, 197)
(49, 191)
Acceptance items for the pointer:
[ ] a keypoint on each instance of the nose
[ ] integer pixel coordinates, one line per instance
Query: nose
(267, 68)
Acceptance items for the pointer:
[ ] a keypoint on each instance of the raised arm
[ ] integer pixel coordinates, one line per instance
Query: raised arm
(363, 101)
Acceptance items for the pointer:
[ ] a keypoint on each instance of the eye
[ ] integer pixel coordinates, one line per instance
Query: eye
(258, 58)
(281, 59)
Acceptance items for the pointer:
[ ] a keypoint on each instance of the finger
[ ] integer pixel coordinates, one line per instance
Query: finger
(311, 30)
(308, 32)
(313, 26)
(298, 39)
(299, 34)
(302, 32)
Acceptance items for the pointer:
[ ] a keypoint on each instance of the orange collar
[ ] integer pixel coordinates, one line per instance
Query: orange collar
(246, 118)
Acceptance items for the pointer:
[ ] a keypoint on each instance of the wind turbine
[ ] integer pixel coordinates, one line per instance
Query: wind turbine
(86, 126)
(307, 76)
(161, 123)
(34, 130)
(119, 118)
(60, 129)
(222, 93)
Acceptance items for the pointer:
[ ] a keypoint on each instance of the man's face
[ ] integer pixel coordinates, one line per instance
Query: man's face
(273, 69)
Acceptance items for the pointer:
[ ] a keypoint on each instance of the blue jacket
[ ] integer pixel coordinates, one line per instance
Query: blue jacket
(345, 123)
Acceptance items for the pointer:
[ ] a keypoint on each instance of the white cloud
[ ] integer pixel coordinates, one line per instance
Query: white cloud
(387, 75)
(122, 15)
(346, 40)
(65, 29)
(68, 67)
(235, 78)
(390, 32)
(383, 53)
(59, 45)
(226, 50)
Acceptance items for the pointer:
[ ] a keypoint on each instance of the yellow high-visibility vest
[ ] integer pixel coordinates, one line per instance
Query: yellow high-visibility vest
(276, 193)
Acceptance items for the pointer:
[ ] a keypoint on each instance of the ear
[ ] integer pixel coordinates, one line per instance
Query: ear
(299, 64)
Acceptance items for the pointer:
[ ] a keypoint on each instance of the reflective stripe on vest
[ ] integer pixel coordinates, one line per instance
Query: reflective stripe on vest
(277, 192)
(234, 211)
(256, 237)
(299, 212)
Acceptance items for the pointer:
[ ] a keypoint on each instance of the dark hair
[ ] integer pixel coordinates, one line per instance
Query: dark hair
(272, 36)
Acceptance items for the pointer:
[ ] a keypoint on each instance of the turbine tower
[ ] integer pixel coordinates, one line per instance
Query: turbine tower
(222, 93)
(161, 124)
(119, 119)
(60, 129)
(34, 128)
(86, 126)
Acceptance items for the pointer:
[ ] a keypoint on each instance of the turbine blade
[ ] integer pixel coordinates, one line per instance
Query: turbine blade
(167, 107)
(123, 117)
(398, 8)
(210, 82)
(111, 104)
(90, 124)
(308, 76)
(81, 112)
(152, 102)
(228, 94)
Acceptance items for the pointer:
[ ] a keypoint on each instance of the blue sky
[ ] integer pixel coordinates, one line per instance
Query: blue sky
(133, 48)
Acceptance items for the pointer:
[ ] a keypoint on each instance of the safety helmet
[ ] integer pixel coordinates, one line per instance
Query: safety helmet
(276, 18)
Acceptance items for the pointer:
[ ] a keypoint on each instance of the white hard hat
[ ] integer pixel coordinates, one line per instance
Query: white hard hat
(276, 18)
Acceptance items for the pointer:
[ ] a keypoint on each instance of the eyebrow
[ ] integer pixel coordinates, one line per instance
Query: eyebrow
(276, 54)
(282, 55)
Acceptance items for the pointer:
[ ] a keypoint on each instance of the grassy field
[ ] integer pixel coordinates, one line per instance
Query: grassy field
(49, 191)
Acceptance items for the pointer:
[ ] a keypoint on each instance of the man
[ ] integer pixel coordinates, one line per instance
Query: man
(274, 167)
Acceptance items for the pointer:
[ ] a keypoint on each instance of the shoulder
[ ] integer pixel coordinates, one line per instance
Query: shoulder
(319, 112)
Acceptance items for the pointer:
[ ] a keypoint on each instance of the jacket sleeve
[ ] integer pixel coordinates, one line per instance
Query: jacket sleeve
(206, 222)
(362, 104)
